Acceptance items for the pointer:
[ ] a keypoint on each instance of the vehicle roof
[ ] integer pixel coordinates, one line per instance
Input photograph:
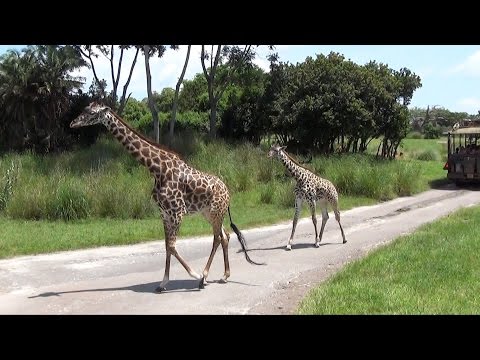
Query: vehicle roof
(466, 130)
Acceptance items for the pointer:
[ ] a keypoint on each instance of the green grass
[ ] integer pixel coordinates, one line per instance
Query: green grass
(28, 237)
(433, 271)
(414, 148)
(104, 184)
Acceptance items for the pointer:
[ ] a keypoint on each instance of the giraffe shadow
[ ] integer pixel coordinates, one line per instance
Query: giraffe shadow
(294, 246)
(172, 286)
(189, 285)
(229, 281)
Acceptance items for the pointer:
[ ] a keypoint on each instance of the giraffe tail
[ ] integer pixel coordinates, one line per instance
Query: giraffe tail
(242, 240)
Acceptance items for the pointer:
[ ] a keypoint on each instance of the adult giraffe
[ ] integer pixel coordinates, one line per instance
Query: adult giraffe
(179, 189)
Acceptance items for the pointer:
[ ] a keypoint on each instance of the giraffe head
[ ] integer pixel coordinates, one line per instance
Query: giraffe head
(91, 115)
(275, 150)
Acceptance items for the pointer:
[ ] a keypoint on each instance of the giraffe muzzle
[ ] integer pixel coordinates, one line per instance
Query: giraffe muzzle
(75, 124)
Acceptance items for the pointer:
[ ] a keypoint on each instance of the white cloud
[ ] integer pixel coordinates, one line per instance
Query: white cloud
(425, 72)
(262, 63)
(471, 66)
(470, 105)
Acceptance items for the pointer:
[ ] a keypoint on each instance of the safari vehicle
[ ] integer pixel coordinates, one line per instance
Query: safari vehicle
(463, 149)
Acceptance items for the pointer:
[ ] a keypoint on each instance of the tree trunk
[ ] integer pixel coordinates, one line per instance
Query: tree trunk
(124, 99)
(151, 102)
(175, 100)
(213, 119)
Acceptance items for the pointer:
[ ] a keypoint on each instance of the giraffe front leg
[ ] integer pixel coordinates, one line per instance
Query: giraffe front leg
(190, 271)
(298, 207)
(168, 255)
(166, 275)
(171, 229)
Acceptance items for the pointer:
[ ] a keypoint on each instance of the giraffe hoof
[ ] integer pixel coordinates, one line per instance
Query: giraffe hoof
(201, 285)
(222, 281)
(160, 289)
(344, 241)
(288, 247)
(317, 244)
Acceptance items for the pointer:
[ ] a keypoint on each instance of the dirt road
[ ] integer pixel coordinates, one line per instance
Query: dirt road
(122, 280)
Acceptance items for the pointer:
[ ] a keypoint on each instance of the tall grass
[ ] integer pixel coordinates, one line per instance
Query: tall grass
(104, 181)
(363, 175)
(7, 183)
(427, 155)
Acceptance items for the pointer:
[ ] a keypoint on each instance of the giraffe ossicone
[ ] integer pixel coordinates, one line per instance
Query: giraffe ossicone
(179, 189)
(310, 188)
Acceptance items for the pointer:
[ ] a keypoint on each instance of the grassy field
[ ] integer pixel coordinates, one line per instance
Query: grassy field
(101, 196)
(433, 271)
(418, 149)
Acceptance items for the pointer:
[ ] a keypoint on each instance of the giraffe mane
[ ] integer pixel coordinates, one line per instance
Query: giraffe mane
(146, 139)
(296, 161)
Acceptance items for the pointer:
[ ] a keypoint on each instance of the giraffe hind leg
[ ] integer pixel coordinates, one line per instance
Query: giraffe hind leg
(314, 220)
(337, 217)
(216, 242)
(219, 237)
(225, 240)
(325, 218)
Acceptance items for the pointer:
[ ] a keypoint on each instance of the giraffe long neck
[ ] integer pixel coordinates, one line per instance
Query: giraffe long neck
(134, 143)
(294, 169)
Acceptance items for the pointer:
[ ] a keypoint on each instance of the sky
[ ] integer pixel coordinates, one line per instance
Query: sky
(450, 74)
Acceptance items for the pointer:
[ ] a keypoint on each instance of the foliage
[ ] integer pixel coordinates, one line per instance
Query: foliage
(351, 104)
(325, 104)
(98, 87)
(37, 90)
(235, 60)
(431, 132)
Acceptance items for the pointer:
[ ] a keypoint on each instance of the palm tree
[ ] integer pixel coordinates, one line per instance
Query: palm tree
(16, 104)
(35, 91)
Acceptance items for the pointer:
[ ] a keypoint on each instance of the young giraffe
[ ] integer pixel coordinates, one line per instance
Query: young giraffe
(179, 189)
(310, 188)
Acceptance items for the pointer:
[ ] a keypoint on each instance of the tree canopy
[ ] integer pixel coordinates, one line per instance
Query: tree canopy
(324, 104)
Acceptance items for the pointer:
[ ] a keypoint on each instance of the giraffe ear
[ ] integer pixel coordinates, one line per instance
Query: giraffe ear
(283, 147)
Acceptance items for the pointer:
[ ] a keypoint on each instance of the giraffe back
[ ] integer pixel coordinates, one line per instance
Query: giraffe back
(314, 188)
(181, 184)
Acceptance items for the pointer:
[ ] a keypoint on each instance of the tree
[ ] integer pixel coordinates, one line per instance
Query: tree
(148, 52)
(173, 117)
(108, 51)
(88, 52)
(235, 59)
(431, 132)
(194, 95)
(408, 83)
(135, 111)
(240, 117)
(329, 103)
(35, 93)
(164, 100)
